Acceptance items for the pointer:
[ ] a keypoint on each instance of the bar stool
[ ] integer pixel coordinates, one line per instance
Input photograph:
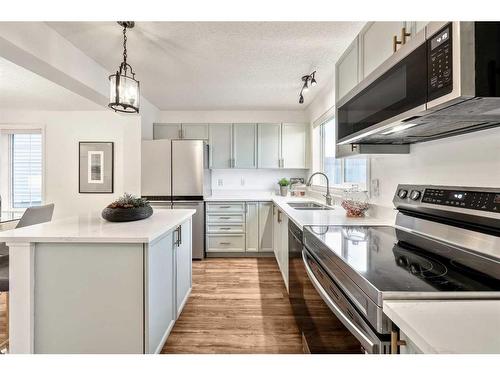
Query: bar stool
(32, 216)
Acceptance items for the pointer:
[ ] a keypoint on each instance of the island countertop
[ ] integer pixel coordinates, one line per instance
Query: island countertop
(91, 228)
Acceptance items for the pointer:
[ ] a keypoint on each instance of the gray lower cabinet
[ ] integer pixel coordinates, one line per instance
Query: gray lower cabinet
(116, 298)
(252, 227)
(265, 226)
(239, 227)
(183, 269)
(160, 294)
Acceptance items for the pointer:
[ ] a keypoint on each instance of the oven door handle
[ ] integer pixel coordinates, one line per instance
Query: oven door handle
(365, 341)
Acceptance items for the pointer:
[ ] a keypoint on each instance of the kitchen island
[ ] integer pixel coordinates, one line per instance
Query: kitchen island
(85, 285)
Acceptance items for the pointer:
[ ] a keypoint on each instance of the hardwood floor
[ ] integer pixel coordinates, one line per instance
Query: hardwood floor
(238, 305)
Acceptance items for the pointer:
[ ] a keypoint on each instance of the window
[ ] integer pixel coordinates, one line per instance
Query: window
(20, 168)
(26, 170)
(340, 172)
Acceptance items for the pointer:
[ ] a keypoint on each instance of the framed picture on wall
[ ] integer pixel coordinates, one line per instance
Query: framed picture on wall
(96, 167)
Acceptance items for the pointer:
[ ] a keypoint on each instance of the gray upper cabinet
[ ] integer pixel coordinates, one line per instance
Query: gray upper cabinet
(195, 131)
(245, 146)
(269, 145)
(347, 70)
(220, 137)
(294, 145)
(167, 131)
(377, 43)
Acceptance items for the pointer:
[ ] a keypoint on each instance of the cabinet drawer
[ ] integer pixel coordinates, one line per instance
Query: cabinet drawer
(224, 243)
(224, 228)
(226, 218)
(226, 207)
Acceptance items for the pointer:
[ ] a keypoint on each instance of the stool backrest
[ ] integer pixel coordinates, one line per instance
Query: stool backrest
(36, 215)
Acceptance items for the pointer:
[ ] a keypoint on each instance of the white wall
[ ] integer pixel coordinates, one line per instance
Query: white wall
(149, 115)
(231, 116)
(63, 131)
(323, 101)
(467, 160)
(251, 179)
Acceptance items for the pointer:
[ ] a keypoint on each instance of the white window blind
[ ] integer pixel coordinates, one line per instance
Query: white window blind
(26, 180)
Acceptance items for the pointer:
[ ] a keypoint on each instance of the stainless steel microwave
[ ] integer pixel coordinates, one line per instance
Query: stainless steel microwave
(445, 81)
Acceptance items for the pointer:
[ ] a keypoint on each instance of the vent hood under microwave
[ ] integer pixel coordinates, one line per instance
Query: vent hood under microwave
(444, 82)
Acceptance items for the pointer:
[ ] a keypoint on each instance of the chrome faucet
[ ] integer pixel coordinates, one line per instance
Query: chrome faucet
(327, 196)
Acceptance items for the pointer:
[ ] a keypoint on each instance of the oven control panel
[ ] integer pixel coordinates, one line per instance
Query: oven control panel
(475, 200)
(440, 73)
(481, 199)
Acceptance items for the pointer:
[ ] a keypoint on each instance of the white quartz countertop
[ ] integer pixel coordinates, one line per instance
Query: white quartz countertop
(92, 228)
(458, 326)
(337, 216)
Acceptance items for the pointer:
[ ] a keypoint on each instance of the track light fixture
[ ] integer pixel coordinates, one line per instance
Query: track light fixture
(309, 80)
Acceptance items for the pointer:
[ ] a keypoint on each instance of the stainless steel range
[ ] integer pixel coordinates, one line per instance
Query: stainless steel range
(445, 245)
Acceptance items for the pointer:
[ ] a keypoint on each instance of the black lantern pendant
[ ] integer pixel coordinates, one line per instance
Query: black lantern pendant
(124, 90)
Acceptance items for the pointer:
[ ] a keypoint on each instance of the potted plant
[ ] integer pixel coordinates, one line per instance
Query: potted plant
(127, 208)
(284, 183)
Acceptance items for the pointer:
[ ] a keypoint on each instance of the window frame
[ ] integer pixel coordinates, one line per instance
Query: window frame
(6, 171)
(335, 188)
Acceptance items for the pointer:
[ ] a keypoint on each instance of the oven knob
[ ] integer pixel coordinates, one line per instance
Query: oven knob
(415, 195)
(402, 193)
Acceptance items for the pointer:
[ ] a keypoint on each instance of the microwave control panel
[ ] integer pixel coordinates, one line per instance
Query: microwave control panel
(440, 72)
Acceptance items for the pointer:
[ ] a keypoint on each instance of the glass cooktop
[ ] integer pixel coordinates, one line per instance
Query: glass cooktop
(390, 260)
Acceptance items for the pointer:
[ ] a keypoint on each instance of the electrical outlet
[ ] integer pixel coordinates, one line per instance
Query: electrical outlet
(220, 182)
(242, 181)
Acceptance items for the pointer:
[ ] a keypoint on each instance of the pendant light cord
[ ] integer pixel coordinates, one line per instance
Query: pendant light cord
(125, 47)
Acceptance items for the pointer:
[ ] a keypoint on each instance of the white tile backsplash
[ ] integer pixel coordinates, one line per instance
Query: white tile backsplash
(252, 179)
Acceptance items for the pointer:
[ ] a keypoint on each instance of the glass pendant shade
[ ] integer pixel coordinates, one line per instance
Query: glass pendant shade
(124, 93)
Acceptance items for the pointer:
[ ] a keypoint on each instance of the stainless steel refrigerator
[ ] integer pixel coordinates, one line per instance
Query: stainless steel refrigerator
(175, 175)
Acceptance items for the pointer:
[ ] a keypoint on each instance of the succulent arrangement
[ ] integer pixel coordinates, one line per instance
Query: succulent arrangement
(127, 208)
(129, 201)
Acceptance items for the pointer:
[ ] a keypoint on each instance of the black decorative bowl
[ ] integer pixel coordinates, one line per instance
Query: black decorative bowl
(127, 214)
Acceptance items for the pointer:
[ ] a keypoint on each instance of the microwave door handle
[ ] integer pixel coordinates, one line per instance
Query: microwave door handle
(365, 341)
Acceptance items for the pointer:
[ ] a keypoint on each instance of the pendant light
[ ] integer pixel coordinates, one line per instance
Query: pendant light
(124, 92)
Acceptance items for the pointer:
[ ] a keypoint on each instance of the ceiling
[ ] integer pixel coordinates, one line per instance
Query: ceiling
(23, 89)
(219, 65)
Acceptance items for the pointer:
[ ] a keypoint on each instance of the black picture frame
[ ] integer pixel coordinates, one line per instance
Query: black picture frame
(112, 177)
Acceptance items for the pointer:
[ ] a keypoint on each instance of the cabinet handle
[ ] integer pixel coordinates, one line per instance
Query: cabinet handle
(180, 133)
(224, 228)
(404, 35)
(224, 217)
(395, 342)
(395, 43)
(224, 243)
(279, 216)
(224, 206)
(180, 235)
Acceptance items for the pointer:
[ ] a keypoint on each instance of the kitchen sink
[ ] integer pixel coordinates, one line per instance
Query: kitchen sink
(308, 206)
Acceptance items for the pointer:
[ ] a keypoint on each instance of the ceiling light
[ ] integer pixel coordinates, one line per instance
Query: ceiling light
(307, 79)
(399, 128)
(313, 80)
(124, 92)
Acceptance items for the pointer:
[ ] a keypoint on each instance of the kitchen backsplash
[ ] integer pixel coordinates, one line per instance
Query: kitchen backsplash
(252, 179)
